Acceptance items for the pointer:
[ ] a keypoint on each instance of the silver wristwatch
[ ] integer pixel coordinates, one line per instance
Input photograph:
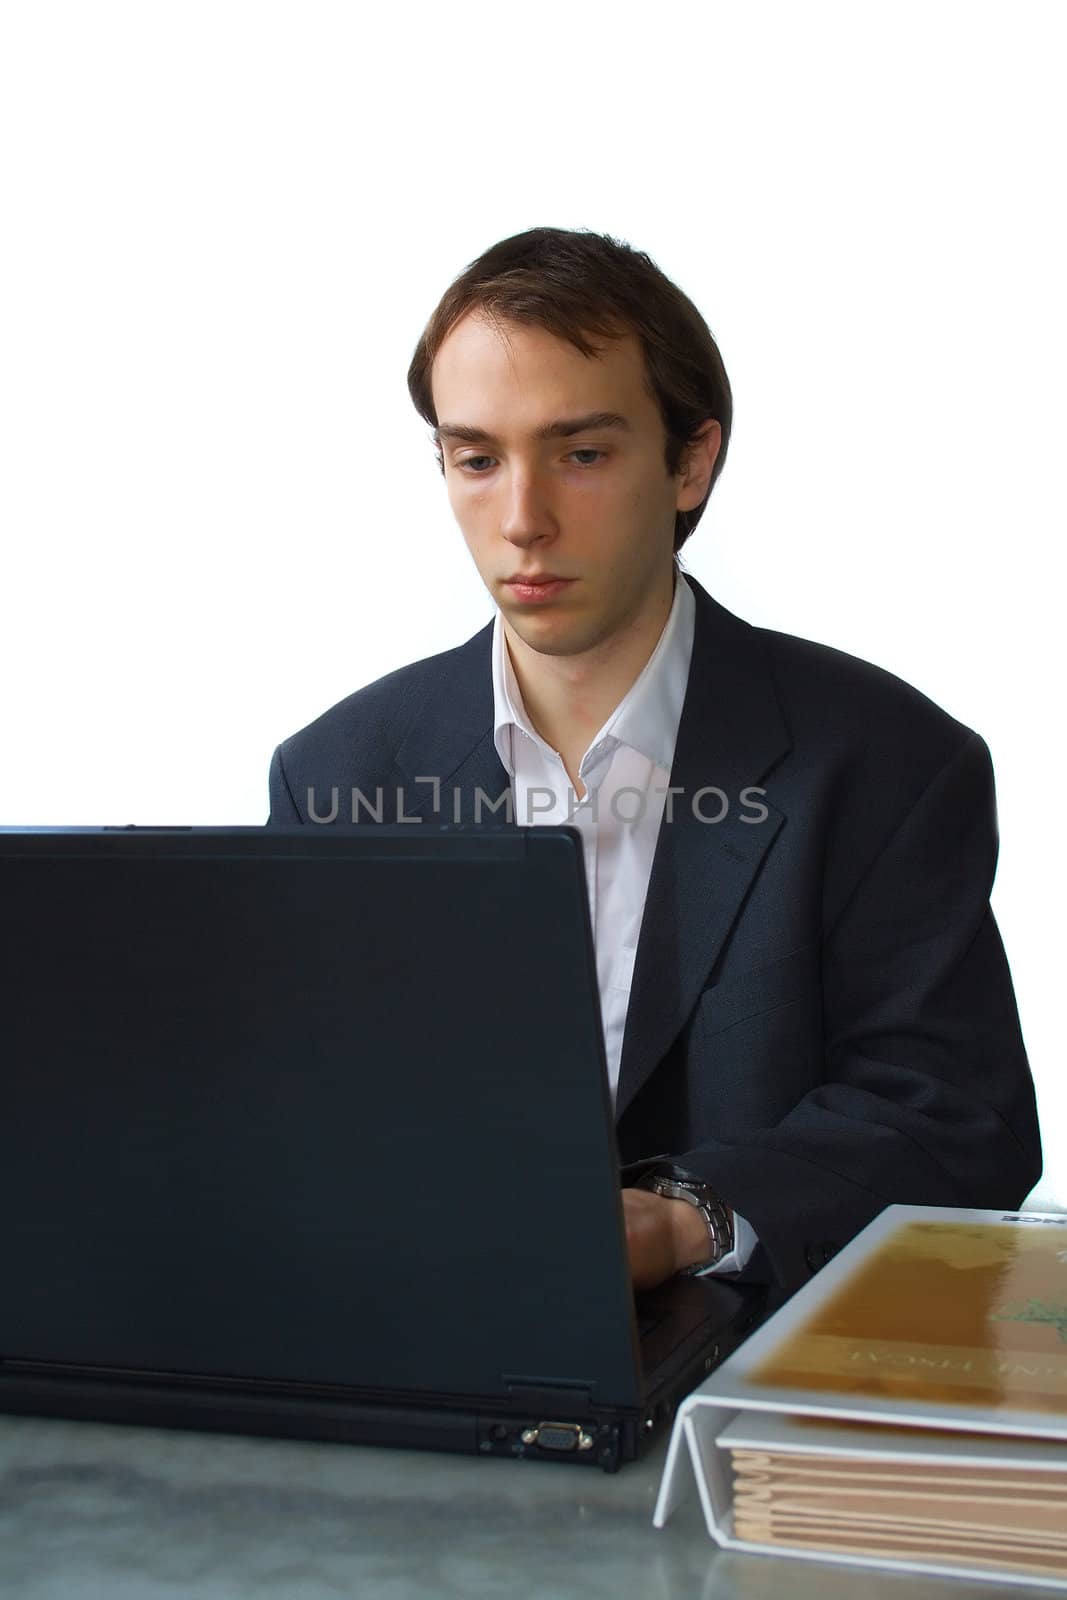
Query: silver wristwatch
(673, 1185)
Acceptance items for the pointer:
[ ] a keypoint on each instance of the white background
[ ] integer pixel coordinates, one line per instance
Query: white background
(224, 225)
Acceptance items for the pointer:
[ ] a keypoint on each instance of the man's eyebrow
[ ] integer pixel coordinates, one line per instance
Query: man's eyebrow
(558, 428)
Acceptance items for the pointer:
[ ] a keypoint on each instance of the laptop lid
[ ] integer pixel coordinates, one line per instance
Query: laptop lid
(311, 1106)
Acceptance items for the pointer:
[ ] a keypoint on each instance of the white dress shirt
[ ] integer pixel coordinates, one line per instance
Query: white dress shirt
(625, 773)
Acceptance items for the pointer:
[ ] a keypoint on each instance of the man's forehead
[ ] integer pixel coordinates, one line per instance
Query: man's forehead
(483, 365)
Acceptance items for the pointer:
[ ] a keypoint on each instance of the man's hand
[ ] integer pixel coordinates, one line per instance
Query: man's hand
(662, 1236)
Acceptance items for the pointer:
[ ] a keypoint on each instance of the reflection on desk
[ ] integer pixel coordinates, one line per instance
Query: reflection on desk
(100, 1512)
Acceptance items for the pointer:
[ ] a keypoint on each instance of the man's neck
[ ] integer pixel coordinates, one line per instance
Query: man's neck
(568, 699)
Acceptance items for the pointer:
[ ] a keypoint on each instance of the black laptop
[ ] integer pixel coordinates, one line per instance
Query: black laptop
(308, 1132)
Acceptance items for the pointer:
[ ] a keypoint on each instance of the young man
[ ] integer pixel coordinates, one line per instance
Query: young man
(807, 1008)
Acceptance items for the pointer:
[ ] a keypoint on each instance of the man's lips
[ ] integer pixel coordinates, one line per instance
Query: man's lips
(539, 587)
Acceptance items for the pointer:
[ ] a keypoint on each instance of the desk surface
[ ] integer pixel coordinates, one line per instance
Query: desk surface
(95, 1512)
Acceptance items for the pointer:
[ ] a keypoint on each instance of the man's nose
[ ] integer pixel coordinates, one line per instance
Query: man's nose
(527, 514)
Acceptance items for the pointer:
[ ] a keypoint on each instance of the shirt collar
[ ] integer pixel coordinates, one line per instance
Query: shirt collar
(647, 717)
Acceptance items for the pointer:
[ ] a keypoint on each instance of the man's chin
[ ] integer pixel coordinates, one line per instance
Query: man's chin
(552, 635)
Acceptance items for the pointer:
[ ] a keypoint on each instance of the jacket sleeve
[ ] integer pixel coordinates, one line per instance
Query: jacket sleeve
(926, 1095)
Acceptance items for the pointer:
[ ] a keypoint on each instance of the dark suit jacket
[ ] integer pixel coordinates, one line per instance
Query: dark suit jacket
(821, 1018)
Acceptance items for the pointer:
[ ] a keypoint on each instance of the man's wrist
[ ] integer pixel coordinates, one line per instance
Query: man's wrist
(692, 1251)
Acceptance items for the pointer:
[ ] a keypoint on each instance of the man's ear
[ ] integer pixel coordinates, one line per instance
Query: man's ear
(698, 463)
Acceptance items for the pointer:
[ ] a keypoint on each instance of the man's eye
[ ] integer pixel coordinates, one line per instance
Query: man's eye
(469, 462)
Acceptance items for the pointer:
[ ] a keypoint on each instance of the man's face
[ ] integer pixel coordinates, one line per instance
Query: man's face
(594, 506)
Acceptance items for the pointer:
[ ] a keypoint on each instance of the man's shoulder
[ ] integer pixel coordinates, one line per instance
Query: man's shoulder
(381, 711)
(820, 686)
(815, 668)
(829, 694)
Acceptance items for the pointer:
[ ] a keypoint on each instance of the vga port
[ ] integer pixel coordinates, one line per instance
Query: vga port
(561, 1436)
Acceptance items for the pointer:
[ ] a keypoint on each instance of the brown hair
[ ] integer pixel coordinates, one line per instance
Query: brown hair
(574, 283)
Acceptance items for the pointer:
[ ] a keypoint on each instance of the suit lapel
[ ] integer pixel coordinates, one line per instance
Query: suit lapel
(731, 733)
